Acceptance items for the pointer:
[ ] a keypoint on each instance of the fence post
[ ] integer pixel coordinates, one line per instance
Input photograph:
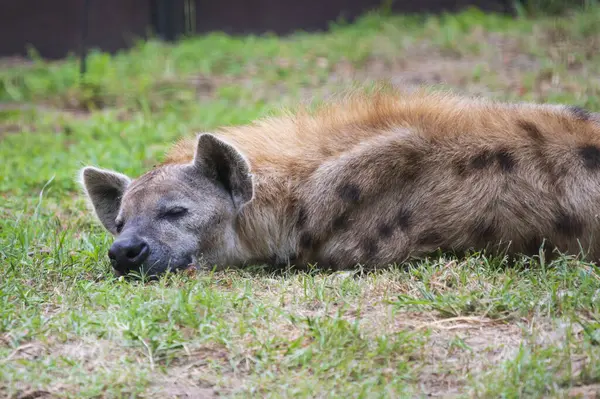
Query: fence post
(168, 18)
(84, 34)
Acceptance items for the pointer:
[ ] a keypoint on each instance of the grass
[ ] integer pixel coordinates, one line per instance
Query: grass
(468, 327)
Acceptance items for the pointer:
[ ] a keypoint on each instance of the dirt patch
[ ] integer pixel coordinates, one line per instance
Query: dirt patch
(28, 351)
(91, 354)
(15, 61)
(189, 376)
(184, 389)
(16, 118)
(585, 391)
(459, 349)
(202, 372)
(183, 382)
(456, 350)
(9, 128)
(500, 65)
(33, 394)
(42, 107)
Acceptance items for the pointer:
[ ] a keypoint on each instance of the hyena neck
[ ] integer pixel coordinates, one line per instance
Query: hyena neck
(265, 229)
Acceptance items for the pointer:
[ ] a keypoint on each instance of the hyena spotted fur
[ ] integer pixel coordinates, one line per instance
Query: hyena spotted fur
(373, 179)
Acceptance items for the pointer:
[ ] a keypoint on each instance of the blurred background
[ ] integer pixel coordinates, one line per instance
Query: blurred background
(131, 76)
(62, 26)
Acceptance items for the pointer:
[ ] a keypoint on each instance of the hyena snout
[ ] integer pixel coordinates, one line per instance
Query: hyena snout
(128, 253)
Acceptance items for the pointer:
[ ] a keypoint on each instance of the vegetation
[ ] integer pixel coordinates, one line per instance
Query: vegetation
(551, 7)
(471, 326)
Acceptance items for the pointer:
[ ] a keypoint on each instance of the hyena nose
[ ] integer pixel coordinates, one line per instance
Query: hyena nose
(128, 253)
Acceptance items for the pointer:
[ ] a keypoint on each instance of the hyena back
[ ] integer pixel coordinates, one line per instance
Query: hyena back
(372, 180)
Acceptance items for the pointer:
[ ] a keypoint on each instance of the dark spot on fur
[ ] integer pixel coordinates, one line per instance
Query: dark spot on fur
(579, 113)
(385, 230)
(413, 166)
(302, 217)
(532, 131)
(370, 247)
(349, 192)
(591, 156)
(430, 237)
(306, 240)
(340, 222)
(413, 156)
(505, 160)
(460, 167)
(568, 225)
(484, 231)
(482, 160)
(402, 218)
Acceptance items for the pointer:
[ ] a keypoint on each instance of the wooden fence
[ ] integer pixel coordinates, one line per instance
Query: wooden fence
(56, 28)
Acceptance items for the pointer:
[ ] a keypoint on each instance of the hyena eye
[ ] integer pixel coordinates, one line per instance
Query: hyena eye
(175, 212)
(119, 226)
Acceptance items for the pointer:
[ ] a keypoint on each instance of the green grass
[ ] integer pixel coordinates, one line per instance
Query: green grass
(473, 326)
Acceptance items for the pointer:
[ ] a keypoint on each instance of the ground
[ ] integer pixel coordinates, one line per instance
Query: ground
(445, 326)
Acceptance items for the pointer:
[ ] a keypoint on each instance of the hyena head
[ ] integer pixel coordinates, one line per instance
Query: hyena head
(175, 213)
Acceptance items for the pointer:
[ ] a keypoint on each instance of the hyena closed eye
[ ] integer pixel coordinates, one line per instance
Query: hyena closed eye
(372, 180)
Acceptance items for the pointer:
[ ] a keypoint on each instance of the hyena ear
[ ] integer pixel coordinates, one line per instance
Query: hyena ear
(104, 188)
(222, 162)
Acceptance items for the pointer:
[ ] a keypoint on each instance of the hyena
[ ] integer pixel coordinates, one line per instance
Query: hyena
(371, 180)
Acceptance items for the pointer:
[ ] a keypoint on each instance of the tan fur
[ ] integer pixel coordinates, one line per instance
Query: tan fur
(377, 178)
